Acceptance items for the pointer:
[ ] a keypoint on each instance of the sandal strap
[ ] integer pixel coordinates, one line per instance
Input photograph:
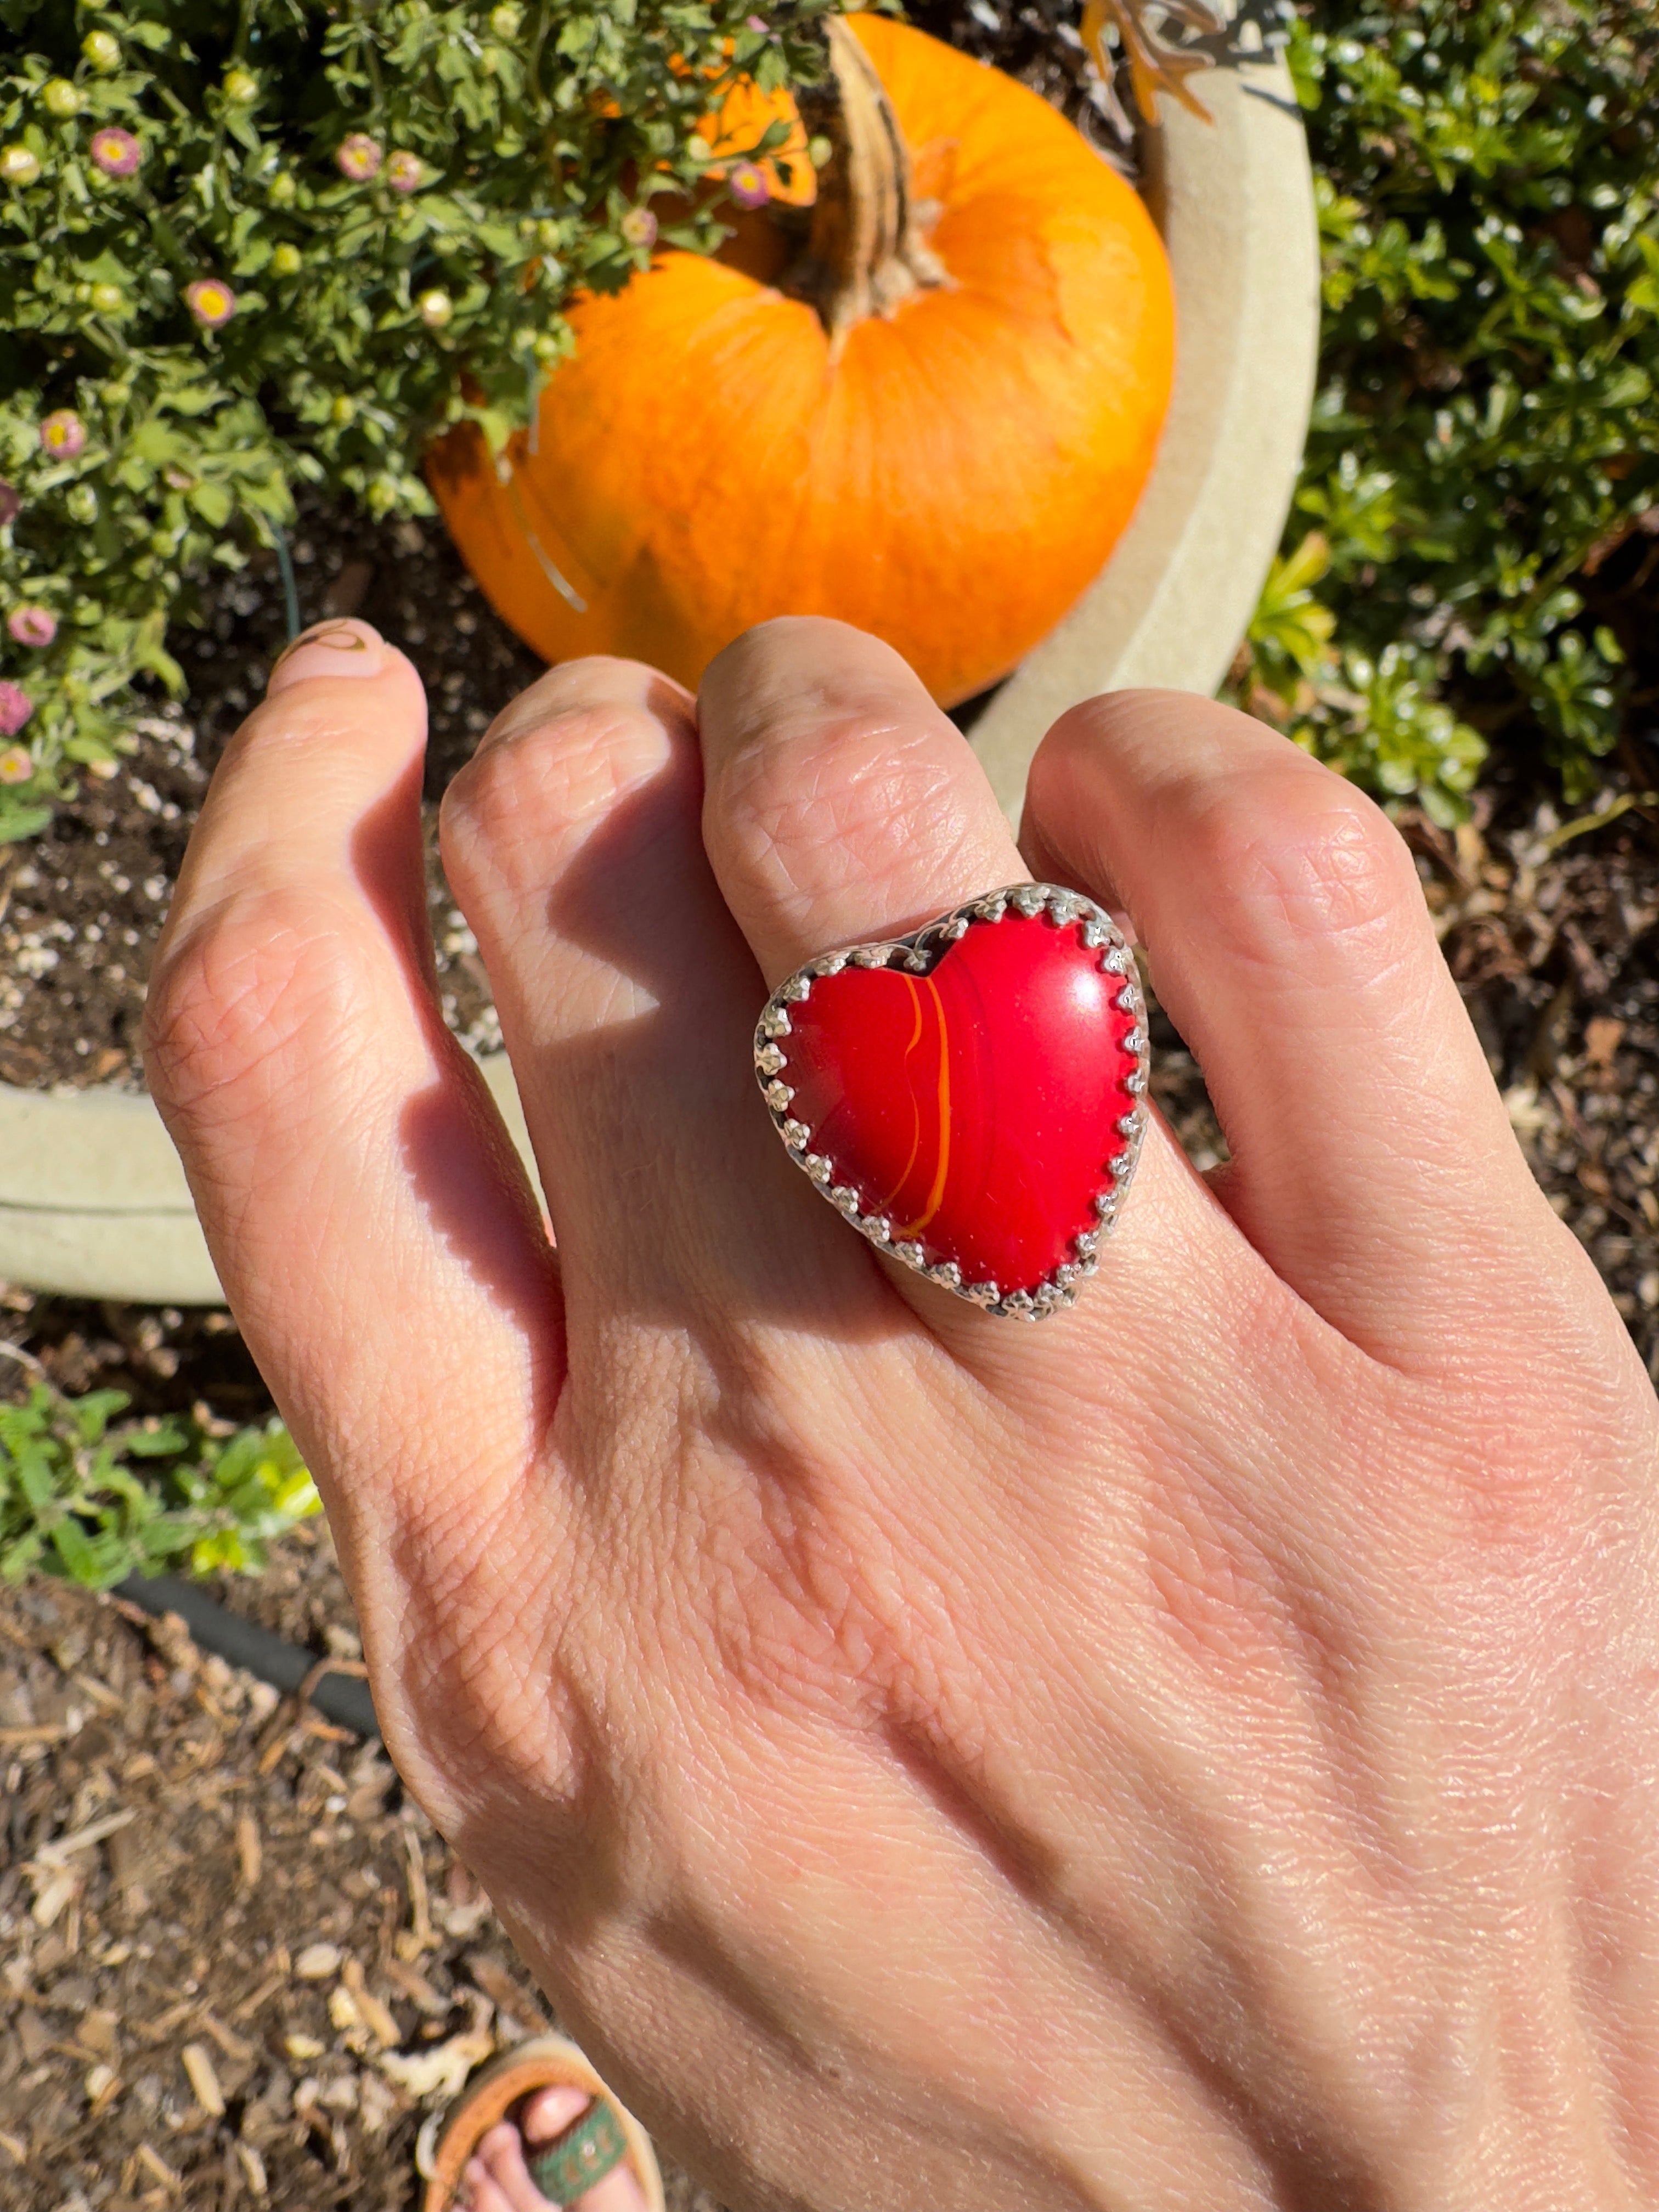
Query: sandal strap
(589, 2149)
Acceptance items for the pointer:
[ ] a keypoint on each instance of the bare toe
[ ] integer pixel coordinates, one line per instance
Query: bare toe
(501, 2154)
(477, 2191)
(545, 2116)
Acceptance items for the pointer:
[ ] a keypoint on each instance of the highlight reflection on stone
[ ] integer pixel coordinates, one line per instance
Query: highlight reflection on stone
(974, 1107)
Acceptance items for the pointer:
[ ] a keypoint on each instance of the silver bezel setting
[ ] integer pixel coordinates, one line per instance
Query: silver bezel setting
(918, 954)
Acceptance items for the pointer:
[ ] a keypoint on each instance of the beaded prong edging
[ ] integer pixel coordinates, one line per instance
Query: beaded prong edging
(917, 955)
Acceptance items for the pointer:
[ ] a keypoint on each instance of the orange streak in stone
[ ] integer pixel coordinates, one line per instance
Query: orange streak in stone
(916, 1140)
(936, 1196)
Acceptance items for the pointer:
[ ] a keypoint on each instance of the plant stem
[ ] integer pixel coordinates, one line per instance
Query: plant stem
(865, 255)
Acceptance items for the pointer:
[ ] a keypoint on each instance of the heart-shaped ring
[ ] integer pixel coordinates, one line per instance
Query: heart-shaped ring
(969, 1097)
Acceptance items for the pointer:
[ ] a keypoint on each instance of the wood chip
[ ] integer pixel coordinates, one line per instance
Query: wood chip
(97, 2030)
(14, 2146)
(378, 2017)
(249, 1852)
(418, 1937)
(441, 2070)
(263, 1995)
(317, 1962)
(54, 1854)
(497, 1984)
(154, 2163)
(54, 1893)
(203, 2081)
(157, 2030)
(416, 1988)
(101, 1693)
(254, 2167)
(234, 2046)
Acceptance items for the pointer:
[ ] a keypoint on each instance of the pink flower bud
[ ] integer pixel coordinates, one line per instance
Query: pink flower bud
(212, 303)
(639, 227)
(15, 707)
(748, 185)
(63, 433)
(16, 762)
(405, 172)
(32, 625)
(116, 152)
(359, 157)
(758, 24)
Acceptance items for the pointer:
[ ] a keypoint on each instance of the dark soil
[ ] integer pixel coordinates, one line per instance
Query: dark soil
(80, 908)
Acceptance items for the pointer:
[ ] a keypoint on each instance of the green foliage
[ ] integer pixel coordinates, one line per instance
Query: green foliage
(1487, 426)
(384, 197)
(94, 1504)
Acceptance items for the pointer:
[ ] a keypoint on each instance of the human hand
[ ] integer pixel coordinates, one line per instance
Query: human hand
(1202, 1750)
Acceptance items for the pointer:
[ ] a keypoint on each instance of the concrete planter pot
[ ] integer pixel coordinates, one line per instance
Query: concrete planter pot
(93, 1198)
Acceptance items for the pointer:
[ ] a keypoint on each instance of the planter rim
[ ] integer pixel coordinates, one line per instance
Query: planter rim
(93, 1197)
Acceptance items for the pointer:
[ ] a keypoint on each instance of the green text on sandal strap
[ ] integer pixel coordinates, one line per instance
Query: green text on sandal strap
(587, 2150)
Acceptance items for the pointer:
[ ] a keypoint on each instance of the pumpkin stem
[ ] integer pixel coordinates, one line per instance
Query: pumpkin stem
(865, 255)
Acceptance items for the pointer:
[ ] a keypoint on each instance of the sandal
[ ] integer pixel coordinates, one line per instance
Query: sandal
(604, 2138)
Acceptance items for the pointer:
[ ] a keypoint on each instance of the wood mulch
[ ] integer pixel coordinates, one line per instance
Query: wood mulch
(238, 1967)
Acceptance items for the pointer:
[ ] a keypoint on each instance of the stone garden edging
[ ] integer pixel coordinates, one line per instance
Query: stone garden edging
(93, 1198)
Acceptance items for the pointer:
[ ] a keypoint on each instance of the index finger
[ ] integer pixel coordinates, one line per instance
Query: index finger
(370, 1220)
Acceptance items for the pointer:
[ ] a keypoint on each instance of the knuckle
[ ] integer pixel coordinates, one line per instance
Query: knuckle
(241, 1004)
(798, 806)
(539, 789)
(1298, 858)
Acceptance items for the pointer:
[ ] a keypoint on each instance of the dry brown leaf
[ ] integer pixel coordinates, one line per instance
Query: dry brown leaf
(1602, 1037)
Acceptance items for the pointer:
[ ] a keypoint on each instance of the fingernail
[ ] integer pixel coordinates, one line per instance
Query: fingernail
(329, 649)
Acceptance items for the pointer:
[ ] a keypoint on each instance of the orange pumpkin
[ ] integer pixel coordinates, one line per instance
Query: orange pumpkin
(939, 437)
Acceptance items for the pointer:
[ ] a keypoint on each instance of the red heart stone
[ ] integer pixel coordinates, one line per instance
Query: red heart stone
(969, 1097)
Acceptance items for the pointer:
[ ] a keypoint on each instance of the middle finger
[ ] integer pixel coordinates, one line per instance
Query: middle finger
(842, 805)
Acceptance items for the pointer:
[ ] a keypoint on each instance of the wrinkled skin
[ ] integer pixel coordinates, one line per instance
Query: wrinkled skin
(1196, 1751)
